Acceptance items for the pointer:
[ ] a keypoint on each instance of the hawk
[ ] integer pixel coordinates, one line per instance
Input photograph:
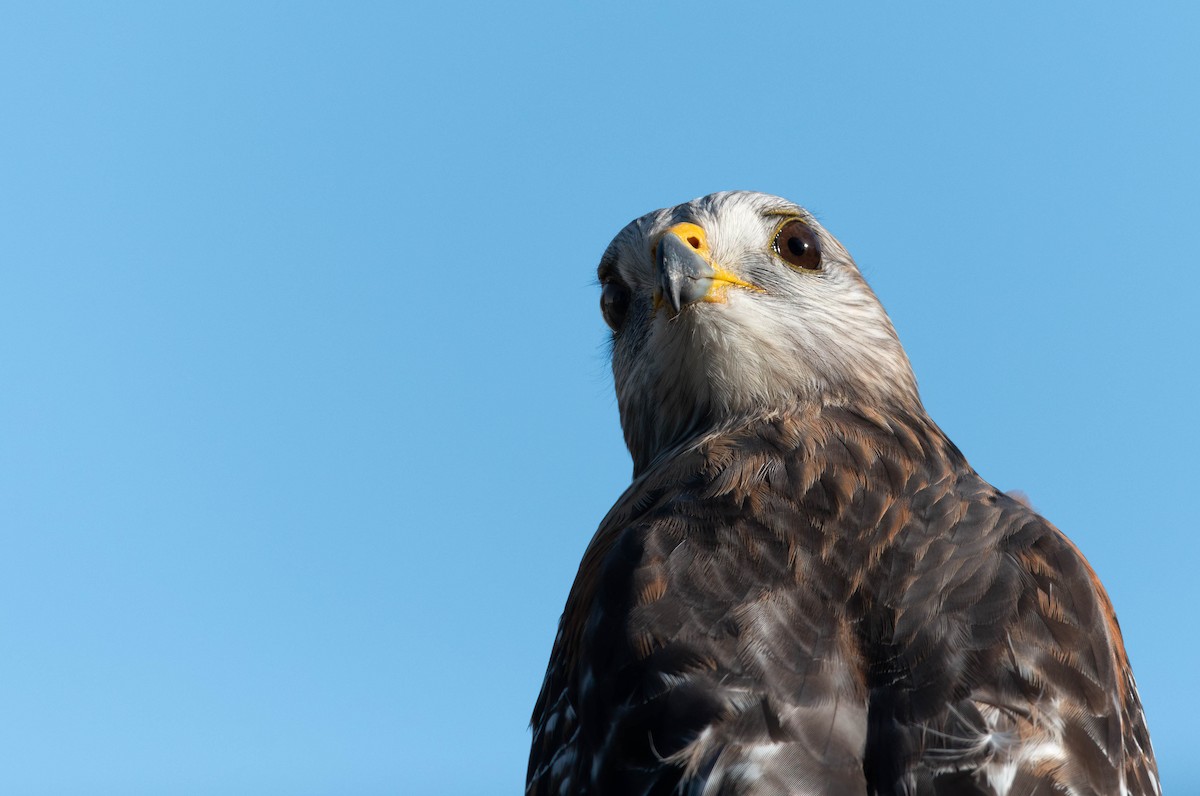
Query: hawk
(806, 589)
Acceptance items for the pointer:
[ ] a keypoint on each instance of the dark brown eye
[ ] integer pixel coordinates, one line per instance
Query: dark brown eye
(614, 304)
(799, 246)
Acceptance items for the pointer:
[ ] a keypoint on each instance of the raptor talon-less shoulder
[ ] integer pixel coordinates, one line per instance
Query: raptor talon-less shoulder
(807, 589)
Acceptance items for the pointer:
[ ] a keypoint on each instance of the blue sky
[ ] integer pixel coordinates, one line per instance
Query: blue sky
(305, 412)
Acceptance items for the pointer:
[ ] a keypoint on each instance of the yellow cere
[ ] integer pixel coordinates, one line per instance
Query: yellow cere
(694, 236)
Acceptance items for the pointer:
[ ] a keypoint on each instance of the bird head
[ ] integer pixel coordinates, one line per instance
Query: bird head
(738, 305)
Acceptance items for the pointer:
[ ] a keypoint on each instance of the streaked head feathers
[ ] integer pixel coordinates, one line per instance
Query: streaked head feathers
(733, 304)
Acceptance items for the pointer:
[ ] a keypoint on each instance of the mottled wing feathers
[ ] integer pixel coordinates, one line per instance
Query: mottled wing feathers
(833, 602)
(1014, 678)
(699, 664)
(559, 762)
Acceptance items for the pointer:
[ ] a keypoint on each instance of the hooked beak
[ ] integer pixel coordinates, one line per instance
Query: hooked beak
(686, 271)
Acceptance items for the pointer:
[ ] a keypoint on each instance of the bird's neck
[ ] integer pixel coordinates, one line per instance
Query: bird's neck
(803, 425)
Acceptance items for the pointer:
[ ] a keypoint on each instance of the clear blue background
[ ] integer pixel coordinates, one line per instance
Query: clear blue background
(305, 418)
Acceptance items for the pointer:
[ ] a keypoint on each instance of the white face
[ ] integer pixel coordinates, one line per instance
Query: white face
(787, 319)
